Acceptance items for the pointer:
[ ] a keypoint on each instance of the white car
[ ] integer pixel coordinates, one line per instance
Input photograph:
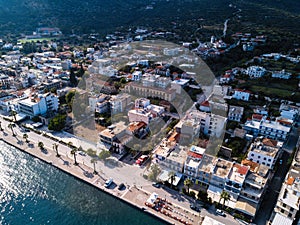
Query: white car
(220, 212)
(108, 182)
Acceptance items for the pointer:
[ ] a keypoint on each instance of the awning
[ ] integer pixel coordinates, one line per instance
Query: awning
(246, 207)
(152, 198)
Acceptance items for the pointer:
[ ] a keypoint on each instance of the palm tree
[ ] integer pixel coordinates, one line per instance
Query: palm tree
(11, 126)
(171, 177)
(73, 152)
(70, 144)
(188, 183)
(13, 114)
(225, 196)
(25, 136)
(55, 148)
(41, 145)
(94, 161)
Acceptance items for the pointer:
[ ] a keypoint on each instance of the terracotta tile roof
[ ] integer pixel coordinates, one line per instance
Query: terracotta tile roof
(195, 155)
(205, 103)
(257, 116)
(241, 169)
(269, 142)
(251, 164)
(290, 180)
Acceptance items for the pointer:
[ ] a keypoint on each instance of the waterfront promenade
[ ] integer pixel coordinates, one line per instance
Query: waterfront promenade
(137, 191)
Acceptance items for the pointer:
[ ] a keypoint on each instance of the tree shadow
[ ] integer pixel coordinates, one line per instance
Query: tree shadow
(88, 174)
(20, 142)
(67, 163)
(111, 163)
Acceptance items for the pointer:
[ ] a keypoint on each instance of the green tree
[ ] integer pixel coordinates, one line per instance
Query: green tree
(14, 114)
(55, 148)
(225, 196)
(104, 154)
(91, 152)
(155, 171)
(73, 152)
(25, 136)
(94, 162)
(70, 98)
(171, 178)
(188, 183)
(57, 123)
(73, 79)
(70, 144)
(41, 145)
(12, 126)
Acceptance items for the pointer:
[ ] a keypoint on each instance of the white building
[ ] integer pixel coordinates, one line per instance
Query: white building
(235, 113)
(281, 74)
(136, 75)
(38, 104)
(277, 130)
(118, 103)
(241, 94)
(140, 115)
(192, 163)
(265, 152)
(255, 71)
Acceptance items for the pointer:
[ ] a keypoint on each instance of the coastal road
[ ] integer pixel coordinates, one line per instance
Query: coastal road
(120, 172)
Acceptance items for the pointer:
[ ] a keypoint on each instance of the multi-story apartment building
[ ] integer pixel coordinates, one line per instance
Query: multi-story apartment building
(192, 163)
(38, 105)
(235, 113)
(278, 130)
(265, 152)
(118, 103)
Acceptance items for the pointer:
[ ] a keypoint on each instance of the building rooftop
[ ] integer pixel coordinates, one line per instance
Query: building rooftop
(238, 173)
(222, 168)
(207, 163)
(114, 129)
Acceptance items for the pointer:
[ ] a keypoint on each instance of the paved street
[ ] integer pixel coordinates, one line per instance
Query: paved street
(269, 201)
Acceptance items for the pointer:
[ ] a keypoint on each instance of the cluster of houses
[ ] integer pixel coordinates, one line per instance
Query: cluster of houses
(259, 71)
(248, 41)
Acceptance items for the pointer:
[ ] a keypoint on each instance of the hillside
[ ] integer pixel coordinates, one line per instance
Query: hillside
(182, 16)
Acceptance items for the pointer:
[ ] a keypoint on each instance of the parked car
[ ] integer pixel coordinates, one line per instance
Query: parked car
(157, 185)
(195, 207)
(141, 160)
(220, 212)
(82, 153)
(121, 186)
(108, 182)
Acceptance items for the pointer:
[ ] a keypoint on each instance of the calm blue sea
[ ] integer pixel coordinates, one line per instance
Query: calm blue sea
(33, 192)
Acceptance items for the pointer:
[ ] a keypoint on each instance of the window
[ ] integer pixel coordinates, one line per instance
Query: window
(282, 210)
(252, 154)
(258, 157)
(291, 209)
(265, 158)
(263, 163)
(284, 205)
(268, 164)
(269, 160)
(290, 215)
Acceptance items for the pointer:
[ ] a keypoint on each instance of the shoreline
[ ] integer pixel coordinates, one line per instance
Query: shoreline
(93, 183)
